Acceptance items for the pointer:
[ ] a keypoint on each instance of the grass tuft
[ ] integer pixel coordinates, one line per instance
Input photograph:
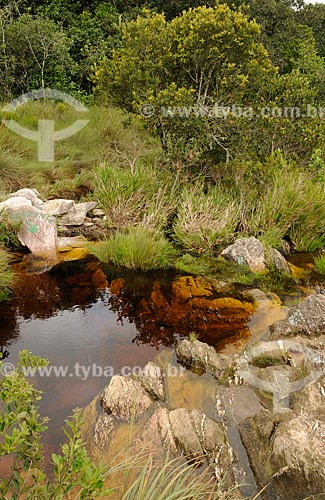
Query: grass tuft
(137, 248)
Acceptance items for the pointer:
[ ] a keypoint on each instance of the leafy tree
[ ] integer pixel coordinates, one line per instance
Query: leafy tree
(35, 53)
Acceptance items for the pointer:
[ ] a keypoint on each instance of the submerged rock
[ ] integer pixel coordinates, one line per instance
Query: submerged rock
(248, 252)
(307, 318)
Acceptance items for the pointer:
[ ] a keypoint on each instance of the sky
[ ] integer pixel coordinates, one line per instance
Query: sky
(314, 1)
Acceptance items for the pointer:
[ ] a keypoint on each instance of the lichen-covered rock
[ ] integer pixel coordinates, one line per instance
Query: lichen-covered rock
(125, 397)
(152, 380)
(278, 261)
(248, 252)
(202, 357)
(307, 318)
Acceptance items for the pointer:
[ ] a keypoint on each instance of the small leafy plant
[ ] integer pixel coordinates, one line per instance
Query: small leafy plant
(21, 429)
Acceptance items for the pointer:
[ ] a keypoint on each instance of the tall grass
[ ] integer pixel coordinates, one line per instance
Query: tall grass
(292, 204)
(320, 264)
(6, 274)
(144, 194)
(205, 220)
(136, 248)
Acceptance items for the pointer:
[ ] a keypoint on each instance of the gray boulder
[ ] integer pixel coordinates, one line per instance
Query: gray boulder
(76, 216)
(278, 261)
(248, 252)
(307, 318)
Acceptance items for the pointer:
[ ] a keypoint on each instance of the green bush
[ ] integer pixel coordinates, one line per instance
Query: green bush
(205, 221)
(136, 248)
(22, 428)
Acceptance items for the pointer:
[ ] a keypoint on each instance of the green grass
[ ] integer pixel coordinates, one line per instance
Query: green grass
(205, 220)
(320, 264)
(6, 275)
(137, 248)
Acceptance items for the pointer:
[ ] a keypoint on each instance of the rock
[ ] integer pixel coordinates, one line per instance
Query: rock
(102, 433)
(16, 202)
(278, 261)
(248, 252)
(125, 397)
(184, 434)
(289, 450)
(98, 212)
(65, 244)
(58, 207)
(76, 216)
(37, 230)
(153, 382)
(307, 318)
(30, 194)
(202, 357)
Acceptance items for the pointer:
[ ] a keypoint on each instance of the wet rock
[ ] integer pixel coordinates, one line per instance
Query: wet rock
(184, 434)
(248, 252)
(307, 318)
(102, 433)
(278, 261)
(76, 216)
(58, 207)
(289, 449)
(202, 357)
(65, 244)
(159, 428)
(125, 397)
(153, 381)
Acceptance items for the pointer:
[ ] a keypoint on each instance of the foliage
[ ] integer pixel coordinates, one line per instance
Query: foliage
(137, 248)
(205, 220)
(22, 428)
(204, 56)
(6, 274)
(320, 264)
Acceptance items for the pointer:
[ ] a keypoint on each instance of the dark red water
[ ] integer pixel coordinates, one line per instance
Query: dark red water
(84, 317)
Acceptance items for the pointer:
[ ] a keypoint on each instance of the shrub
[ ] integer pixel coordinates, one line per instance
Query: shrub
(22, 428)
(136, 248)
(205, 221)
